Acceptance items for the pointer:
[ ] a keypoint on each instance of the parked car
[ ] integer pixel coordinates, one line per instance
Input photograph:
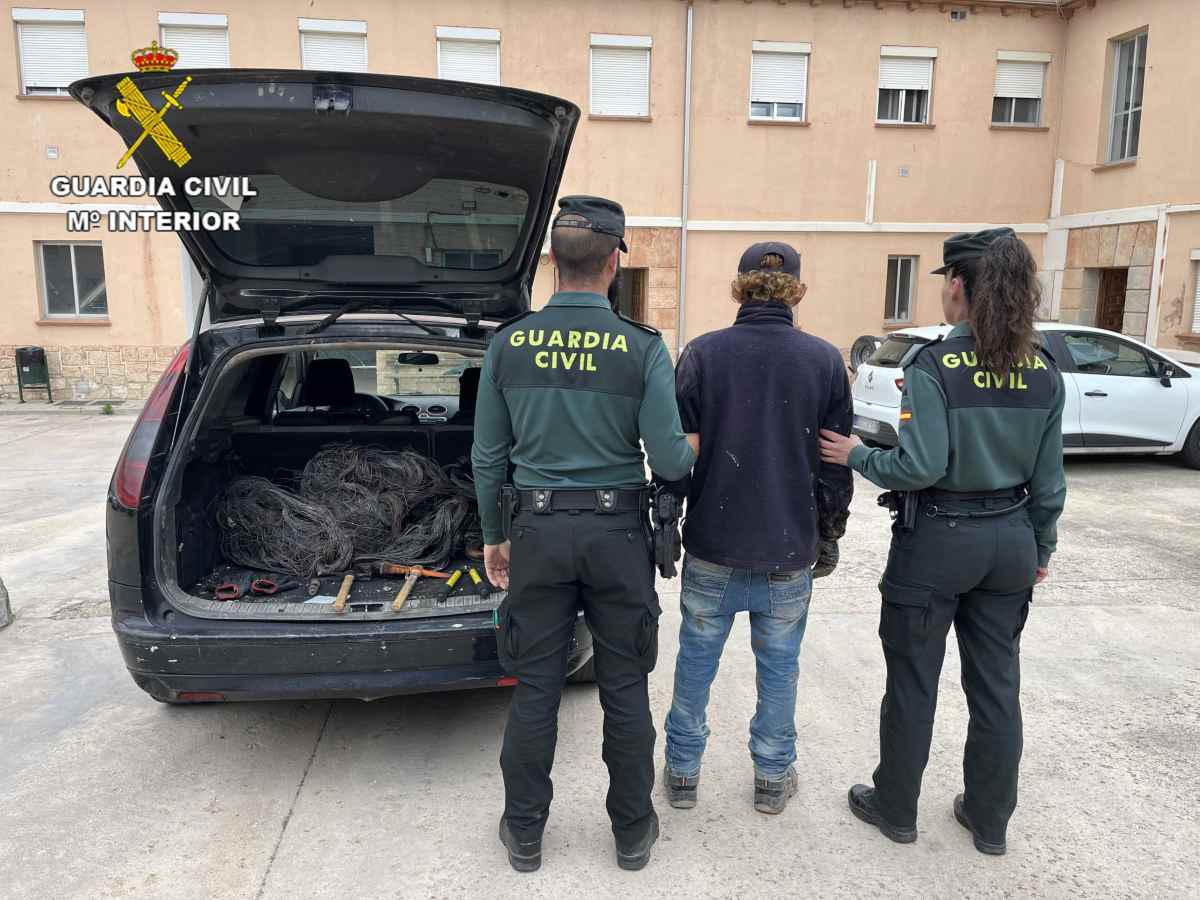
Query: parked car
(1121, 395)
(392, 216)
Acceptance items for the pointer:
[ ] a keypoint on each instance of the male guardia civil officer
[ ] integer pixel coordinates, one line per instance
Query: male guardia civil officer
(569, 395)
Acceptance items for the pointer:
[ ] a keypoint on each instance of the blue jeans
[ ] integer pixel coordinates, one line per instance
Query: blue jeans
(778, 607)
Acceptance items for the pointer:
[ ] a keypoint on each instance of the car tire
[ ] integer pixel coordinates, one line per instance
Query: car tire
(1190, 454)
(585, 674)
(861, 350)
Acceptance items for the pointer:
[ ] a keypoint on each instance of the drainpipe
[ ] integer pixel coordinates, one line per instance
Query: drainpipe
(683, 212)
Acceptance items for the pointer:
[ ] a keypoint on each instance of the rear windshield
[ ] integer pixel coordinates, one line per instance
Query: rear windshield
(893, 350)
(446, 223)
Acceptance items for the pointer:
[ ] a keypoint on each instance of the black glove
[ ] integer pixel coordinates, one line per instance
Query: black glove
(827, 559)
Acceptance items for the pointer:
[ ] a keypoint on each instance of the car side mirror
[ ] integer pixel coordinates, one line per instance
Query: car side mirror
(1165, 372)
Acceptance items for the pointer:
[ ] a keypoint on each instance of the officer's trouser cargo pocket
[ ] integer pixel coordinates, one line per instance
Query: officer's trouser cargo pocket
(647, 642)
(506, 639)
(904, 618)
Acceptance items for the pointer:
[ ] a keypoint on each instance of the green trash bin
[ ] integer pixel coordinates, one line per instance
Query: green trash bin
(33, 372)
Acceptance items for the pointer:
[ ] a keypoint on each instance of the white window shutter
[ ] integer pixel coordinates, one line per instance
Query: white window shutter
(905, 73)
(198, 47)
(476, 61)
(1196, 308)
(52, 54)
(620, 81)
(778, 77)
(333, 52)
(1025, 80)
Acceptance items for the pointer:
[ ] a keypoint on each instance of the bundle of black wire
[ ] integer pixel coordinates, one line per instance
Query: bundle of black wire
(354, 503)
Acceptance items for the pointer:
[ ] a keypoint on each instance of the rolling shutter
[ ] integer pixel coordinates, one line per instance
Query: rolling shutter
(905, 73)
(199, 47)
(333, 51)
(53, 55)
(778, 77)
(1196, 308)
(1020, 79)
(476, 61)
(620, 81)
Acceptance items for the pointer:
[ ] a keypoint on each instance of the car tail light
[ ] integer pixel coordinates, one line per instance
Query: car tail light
(200, 697)
(131, 468)
(506, 682)
(899, 384)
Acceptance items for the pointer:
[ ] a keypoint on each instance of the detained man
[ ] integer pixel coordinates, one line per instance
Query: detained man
(764, 514)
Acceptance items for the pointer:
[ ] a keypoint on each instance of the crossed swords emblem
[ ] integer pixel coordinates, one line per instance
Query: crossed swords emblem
(134, 103)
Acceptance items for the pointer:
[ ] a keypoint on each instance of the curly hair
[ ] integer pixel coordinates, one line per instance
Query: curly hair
(766, 287)
(1002, 294)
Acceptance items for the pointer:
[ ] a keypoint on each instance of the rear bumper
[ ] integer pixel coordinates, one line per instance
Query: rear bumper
(876, 423)
(367, 661)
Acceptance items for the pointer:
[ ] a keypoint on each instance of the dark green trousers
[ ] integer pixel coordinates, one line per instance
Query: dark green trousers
(978, 575)
(562, 563)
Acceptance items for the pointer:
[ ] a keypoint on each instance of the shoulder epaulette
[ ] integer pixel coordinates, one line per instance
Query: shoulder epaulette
(641, 325)
(514, 320)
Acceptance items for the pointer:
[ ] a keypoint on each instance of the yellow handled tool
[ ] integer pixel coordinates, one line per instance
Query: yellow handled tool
(451, 584)
(484, 588)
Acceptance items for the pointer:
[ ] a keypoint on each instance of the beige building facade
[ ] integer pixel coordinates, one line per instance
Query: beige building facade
(862, 132)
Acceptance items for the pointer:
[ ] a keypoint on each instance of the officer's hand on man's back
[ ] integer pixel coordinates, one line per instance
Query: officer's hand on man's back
(495, 563)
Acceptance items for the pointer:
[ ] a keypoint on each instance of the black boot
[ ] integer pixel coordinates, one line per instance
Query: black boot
(682, 790)
(862, 804)
(635, 856)
(524, 856)
(771, 795)
(991, 848)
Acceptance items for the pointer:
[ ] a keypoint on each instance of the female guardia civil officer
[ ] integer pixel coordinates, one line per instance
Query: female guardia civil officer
(981, 440)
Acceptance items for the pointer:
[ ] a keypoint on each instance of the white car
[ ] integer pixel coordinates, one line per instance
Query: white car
(1122, 396)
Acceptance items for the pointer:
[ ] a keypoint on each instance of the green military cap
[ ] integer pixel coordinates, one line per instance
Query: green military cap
(600, 215)
(962, 247)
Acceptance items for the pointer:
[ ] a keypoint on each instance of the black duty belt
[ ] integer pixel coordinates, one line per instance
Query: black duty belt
(1012, 493)
(1018, 496)
(543, 501)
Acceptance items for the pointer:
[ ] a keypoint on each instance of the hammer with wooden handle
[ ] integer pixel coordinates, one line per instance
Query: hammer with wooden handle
(410, 582)
(343, 593)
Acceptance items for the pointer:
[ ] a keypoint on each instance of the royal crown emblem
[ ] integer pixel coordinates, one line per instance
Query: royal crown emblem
(154, 58)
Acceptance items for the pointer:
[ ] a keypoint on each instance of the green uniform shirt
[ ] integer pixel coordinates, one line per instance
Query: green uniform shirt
(570, 394)
(964, 429)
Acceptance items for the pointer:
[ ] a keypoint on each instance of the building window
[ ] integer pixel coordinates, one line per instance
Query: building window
(905, 85)
(898, 302)
(72, 277)
(1020, 87)
(333, 45)
(620, 75)
(200, 39)
(779, 80)
(468, 54)
(52, 47)
(1129, 79)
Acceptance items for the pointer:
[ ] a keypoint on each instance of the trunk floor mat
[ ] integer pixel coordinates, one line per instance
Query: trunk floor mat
(376, 595)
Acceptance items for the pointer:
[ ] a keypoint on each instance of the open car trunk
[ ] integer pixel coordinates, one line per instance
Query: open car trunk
(259, 417)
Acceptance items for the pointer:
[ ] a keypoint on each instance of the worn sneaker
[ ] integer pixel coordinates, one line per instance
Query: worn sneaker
(635, 856)
(681, 790)
(771, 795)
(524, 856)
(991, 848)
(862, 804)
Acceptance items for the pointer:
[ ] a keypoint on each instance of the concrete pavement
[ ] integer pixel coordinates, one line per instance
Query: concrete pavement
(104, 793)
